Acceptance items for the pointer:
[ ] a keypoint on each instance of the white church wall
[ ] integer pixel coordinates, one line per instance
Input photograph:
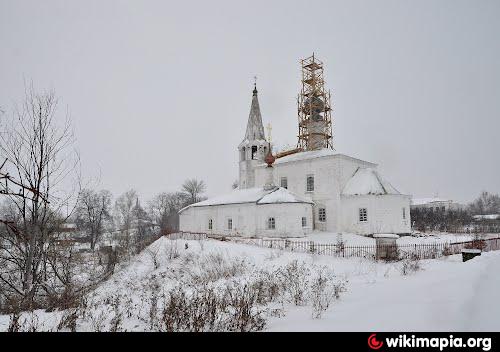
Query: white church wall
(249, 219)
(330, 175)
(384, 214)
(242, 216)
(288, 219)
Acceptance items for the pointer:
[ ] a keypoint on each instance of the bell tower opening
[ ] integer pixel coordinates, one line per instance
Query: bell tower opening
(254, 152)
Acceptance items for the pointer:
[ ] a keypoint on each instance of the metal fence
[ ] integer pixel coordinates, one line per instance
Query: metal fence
(418, 250)
(189, 236)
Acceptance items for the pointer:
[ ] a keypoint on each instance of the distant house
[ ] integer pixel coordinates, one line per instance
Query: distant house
(435, 204)
(487, 217)
(67, 227)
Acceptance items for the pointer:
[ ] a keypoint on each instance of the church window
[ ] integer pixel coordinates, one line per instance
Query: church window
(404, 213)
(363, 215)
(271, 223)
(284, 182)
(310, 183)
(304, 221)
(229, 224)
(322, 214)
(254, 152)
(210, 224)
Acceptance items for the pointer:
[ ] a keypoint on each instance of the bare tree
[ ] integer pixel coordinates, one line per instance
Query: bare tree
(486, 203)
(159, 208)
(93, 209)
(193, 189)
(143, 229)
(40, 156)
(124, 214)
(163, 210)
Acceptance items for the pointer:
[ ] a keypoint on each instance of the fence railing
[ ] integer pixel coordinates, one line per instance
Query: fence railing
(417, 250)
(189, 236)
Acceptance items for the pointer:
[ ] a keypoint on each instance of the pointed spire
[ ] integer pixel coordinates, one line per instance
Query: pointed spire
(255, 128)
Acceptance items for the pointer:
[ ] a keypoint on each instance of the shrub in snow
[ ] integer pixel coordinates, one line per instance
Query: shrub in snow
(267, 286)
(14, 325)
(97, 320)
(171, 250)
(206, 308)
(152, 253)
(325, 288)
(244, 312)
(216, 266)
(294, 280)
(69, 319)
(410, 265)
(116, 321)
(446, 250)
(153, 308)
(477, 242)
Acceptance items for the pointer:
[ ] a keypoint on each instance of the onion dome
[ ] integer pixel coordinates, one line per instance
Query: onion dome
(269, 157)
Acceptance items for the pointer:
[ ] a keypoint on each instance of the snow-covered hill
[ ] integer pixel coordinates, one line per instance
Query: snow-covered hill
(213, 285)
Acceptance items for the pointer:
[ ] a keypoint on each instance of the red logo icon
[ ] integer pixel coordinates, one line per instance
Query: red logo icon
(373, 343)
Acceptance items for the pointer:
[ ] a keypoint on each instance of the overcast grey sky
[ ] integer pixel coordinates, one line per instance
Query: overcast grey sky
(160, 91)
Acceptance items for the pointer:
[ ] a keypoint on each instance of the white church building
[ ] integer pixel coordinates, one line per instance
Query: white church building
(310, 188)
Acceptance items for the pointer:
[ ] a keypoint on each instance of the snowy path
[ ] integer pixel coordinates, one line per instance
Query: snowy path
(447, 295)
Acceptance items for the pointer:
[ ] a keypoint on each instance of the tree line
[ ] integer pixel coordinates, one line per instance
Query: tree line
(460, 220)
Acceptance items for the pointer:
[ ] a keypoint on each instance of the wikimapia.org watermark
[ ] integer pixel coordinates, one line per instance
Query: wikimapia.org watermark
(412, 341)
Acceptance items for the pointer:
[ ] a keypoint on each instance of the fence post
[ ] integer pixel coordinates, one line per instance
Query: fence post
(311, 247)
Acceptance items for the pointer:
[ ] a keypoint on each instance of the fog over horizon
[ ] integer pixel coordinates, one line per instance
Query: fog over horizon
(159, 91)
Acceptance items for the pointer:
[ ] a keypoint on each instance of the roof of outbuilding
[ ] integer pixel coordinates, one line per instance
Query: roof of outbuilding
(256, 195)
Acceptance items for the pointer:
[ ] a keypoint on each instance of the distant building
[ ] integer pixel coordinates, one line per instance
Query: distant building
(487, 217)
(67, 227)
(435, 204)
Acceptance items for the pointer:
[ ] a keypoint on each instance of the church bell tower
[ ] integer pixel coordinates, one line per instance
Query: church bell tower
(253, 148)
(314, 108)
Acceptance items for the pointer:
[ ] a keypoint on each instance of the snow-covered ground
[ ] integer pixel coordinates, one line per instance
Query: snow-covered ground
(445, 295)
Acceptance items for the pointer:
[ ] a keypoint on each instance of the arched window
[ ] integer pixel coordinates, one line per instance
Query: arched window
(210, 224)
(310, 183)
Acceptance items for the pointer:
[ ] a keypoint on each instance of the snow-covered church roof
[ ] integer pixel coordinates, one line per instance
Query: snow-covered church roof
(314, 154)
(257, 195)
(368, 181)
